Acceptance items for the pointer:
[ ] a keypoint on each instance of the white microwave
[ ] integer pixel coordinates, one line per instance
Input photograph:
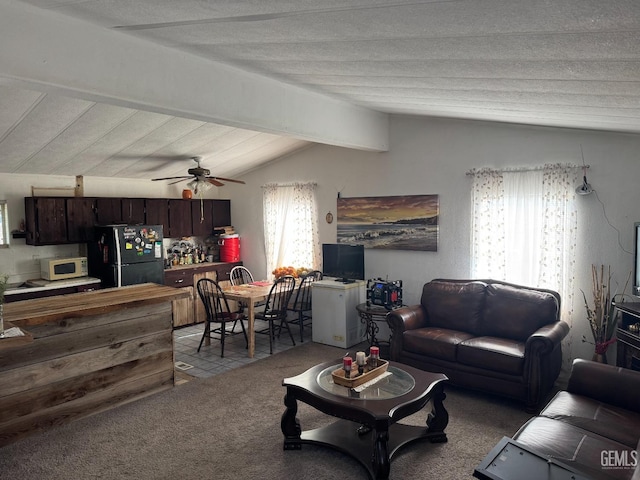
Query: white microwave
(62, 268)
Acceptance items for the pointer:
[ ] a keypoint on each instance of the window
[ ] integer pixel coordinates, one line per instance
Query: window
(4, 224)
(291, 226)
(524, 227)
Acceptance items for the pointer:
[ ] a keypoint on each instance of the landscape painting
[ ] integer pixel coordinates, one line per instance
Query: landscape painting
(406, 222)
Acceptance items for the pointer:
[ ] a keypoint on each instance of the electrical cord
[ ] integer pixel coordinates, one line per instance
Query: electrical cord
(604, 211)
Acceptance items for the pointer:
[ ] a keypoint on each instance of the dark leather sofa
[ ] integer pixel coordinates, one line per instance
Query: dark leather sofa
(593, 426)
(487, 335)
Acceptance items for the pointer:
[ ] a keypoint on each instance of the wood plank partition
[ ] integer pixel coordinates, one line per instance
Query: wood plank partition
(91, 351)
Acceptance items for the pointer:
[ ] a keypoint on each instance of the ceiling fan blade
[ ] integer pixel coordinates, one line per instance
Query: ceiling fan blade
(168, 178)
(228, 180)
(181, 180)
(215, 182)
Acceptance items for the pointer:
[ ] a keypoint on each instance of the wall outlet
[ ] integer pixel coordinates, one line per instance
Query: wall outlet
(35, 257)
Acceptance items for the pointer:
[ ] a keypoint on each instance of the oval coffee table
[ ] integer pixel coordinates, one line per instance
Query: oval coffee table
(367, 428)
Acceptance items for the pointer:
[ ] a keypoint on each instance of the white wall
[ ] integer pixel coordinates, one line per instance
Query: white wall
(19, 261)
(431, 156)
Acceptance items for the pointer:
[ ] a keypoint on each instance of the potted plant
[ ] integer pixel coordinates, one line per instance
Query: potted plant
(602, 318)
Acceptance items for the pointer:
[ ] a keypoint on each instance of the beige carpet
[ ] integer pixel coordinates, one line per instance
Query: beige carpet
(228, 427)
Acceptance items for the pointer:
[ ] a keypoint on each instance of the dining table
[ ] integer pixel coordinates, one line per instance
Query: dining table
(249, 294)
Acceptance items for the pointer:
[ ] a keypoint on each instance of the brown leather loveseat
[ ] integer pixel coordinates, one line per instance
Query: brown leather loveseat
(593, 426)
(484, 334)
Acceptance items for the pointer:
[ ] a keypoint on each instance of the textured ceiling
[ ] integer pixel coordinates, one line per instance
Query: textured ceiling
(563, 63)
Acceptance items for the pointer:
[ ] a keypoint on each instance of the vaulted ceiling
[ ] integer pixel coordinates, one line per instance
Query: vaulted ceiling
(135, 88)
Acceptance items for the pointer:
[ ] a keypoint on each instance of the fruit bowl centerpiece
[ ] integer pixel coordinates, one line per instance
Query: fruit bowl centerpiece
(294, 272)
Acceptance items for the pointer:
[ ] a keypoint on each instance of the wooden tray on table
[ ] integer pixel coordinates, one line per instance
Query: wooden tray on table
(356, 380)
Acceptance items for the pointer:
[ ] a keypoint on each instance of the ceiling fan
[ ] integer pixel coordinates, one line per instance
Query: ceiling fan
(200, 177)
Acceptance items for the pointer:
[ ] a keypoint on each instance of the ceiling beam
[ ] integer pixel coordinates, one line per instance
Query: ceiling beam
(45, 51)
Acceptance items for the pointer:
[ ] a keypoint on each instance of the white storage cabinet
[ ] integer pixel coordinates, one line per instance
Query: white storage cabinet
(335, 320)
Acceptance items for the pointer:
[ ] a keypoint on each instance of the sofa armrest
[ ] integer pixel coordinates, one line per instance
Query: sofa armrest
(542, 361)
(401, 320)
(606, 383)
(546, 338)
(407, 318)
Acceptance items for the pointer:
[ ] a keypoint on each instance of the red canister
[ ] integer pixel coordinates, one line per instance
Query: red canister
(229, 248)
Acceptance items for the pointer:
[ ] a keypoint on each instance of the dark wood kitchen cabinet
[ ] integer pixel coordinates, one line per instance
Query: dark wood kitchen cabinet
(133, 210)
(221, 213)
(179, 218)
(120, 210)
(46, 220)
(202, 217)
(108, 211)
(60, 220)
(157, 213)
(80, 218)
(208, 214)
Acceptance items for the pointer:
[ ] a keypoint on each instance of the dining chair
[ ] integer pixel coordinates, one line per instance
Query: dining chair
(301, 303)
(275, 308)
(217, 311)
(240, 275)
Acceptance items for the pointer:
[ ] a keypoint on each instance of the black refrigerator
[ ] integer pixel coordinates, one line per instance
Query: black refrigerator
(122, 255)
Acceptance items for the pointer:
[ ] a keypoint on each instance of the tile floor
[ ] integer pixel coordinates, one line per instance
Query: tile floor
(207, 362)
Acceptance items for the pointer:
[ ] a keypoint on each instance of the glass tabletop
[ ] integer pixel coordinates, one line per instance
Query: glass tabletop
(395, 385)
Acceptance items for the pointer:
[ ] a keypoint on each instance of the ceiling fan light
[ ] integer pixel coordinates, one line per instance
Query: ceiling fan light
(199, 185)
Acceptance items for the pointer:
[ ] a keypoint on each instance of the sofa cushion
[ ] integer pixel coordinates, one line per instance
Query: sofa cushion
(578, 448)
(612, 422)
(496, 354)
(454, 305)
(516, 313)
(434, 342)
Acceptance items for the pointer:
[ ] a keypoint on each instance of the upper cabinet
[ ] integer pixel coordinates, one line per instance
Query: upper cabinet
(80, 218)
(46, 220)
(133, 210)
(120, 210)
(201, 217)
(157, 213)
(179, 219)
(221, 213)
(108, 211)
(59, 220)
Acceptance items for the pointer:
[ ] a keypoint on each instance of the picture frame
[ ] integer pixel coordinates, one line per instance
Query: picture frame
(401, 222)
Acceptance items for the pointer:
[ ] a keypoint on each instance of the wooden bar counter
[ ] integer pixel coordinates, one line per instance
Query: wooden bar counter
(90, 352)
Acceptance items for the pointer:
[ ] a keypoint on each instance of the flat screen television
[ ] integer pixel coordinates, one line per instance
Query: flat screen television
(345, 262)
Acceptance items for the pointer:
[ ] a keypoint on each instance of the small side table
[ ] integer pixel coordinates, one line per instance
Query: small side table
(370, 315)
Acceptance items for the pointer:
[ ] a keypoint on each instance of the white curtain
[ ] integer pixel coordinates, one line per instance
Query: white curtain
(524, 230)
(291, 226)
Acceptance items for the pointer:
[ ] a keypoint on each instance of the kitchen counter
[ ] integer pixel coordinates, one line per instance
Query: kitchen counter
(90, 352)
(192, 266)
(78, 305)
(39, 285)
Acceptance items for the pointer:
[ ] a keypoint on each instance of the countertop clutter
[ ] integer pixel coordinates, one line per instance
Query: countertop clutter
(195, 266)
